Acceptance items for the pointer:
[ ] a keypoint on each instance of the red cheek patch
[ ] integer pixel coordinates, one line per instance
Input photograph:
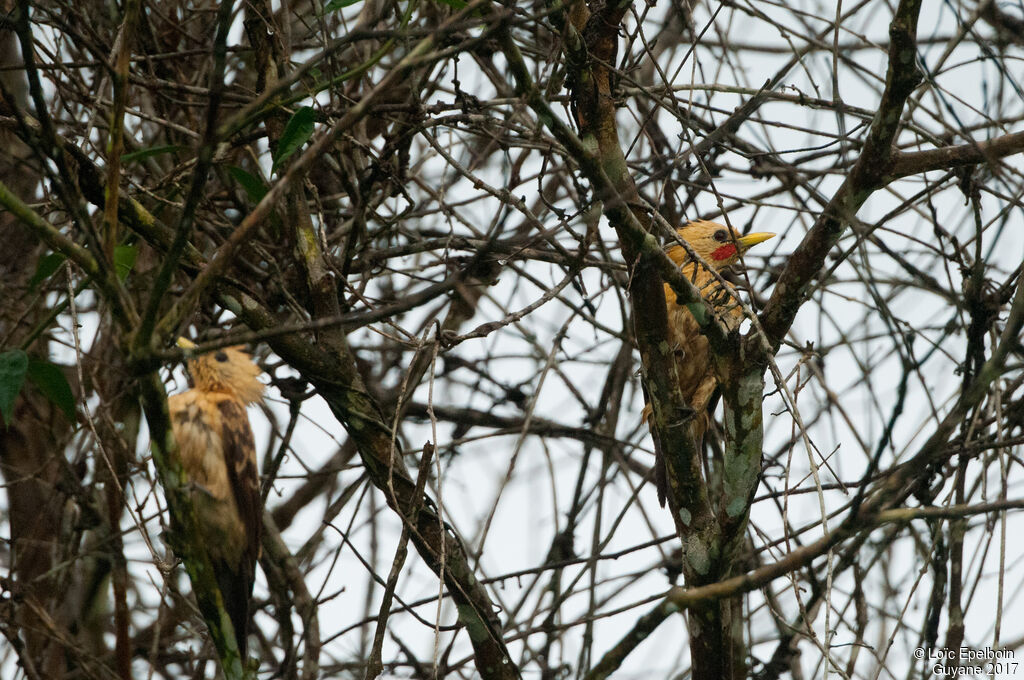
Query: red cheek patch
(725, 252)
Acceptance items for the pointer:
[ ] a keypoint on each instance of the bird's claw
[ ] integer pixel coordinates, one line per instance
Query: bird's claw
(193, 487)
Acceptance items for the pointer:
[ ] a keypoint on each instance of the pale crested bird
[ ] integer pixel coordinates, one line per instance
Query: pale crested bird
(719, 246)
(218, 454)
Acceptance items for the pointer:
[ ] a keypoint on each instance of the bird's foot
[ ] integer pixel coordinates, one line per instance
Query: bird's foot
(194, 488)
(683, 416)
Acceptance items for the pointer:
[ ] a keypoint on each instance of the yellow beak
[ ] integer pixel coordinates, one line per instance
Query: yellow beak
(188, 344)
(753, 239)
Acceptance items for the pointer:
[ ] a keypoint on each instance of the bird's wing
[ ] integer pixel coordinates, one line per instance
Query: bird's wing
(240, 459)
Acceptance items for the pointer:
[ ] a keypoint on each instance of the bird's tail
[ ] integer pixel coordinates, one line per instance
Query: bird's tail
(236, 592)
(698, 427)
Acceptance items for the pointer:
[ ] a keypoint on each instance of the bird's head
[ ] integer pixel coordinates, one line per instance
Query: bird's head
(229, 370)
(719, 245)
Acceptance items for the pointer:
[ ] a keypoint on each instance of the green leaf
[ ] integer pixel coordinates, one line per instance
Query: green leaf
(457, 4)
(45, 268)
(335, 5)
(296, 133)
(254, 187)
(146, 153)
(50, 380)
(13, 364)
(124, 260)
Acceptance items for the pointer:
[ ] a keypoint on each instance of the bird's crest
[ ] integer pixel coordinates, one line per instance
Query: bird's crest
(229, 370)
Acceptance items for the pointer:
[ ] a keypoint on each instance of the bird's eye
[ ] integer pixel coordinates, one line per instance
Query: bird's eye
(221, 356)
(721, 236)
